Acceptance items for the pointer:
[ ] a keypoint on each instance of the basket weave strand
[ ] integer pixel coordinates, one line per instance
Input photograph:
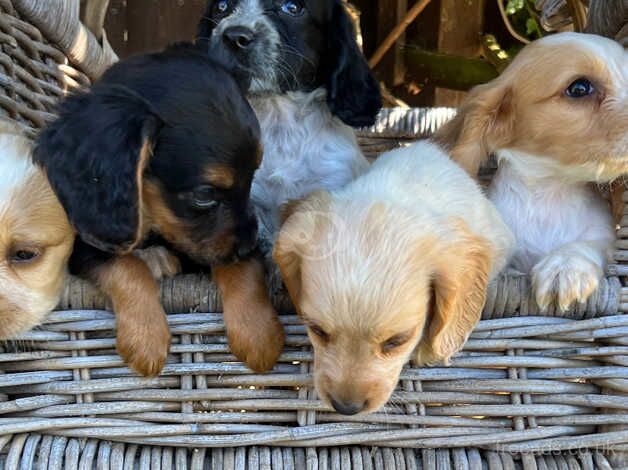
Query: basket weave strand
(530, 389)
(510, 293)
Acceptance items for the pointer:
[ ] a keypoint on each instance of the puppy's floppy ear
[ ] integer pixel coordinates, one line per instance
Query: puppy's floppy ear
(95, 155)
(353, 94)
(459, 293)
(484, 123)
(301, 222)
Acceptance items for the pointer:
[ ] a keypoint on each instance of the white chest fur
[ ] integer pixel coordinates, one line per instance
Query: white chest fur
(306, 149)
(547, 206)
(15, 167)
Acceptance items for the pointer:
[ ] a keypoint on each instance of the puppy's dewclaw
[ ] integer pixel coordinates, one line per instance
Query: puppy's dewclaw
(255, 334)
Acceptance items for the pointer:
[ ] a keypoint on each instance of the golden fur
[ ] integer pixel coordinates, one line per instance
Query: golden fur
(392, 264)
(551, 144)
(221, 176)
(255, 334)
(32, 220)
(142, 333)
(525, 109)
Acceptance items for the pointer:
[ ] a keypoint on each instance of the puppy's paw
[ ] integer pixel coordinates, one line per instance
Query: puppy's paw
(161, 262)
(567, 277)
(143, 337)
(255, 335)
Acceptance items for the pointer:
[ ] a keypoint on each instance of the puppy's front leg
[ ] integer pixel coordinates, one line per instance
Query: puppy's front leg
(255, 334)
(143, 336)
(570, 274)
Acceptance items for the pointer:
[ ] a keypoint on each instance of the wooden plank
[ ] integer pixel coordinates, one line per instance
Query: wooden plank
(368, 23)
(116, 26)
(461, 26)
(391, 69)
(152, 24)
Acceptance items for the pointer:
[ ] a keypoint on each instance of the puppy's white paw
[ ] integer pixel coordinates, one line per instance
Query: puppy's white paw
(161, 262)
(567, 276)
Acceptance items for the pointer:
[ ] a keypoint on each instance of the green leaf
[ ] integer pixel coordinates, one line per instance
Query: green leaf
(532, 27)
(514, 6)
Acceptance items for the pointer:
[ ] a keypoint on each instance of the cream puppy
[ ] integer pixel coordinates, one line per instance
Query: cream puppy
(392, 267)
(557, 119)
(35, 238)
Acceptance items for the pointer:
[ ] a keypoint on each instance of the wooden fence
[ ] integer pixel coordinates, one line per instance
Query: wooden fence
(143, 25)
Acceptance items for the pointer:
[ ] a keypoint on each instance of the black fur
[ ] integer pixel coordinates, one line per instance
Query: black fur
(353, 94)
(318, 49)
(99, 193)
(193, 114)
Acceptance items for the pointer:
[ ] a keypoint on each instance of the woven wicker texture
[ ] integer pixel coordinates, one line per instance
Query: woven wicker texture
(554, 384)
(49, 452)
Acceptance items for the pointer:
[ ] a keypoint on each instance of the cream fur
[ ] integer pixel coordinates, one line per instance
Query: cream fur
(32, 219)
(405, 251)
(563, 227)
(552, 149)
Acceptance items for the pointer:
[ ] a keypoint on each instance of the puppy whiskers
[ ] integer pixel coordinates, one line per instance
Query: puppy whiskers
(287, 72)
(211, 20)
(292, 50)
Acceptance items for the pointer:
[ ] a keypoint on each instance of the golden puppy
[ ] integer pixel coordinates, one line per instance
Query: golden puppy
(557, 119)
(397, 262)
(35, 238)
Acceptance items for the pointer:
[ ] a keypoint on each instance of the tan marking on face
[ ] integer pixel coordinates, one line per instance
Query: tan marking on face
(179, 232)
(221, 176)
(160, 216)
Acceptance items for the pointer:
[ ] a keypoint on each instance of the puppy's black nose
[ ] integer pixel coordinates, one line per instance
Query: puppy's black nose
(239, 37)
(347, 408)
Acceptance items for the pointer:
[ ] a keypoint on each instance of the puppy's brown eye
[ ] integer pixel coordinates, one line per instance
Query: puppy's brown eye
(204, 197)
(394, 342)
(24, 256)
(580, 88)
(319, 332)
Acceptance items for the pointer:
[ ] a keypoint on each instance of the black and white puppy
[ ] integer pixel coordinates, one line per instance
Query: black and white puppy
(310, 83)
(161, 151)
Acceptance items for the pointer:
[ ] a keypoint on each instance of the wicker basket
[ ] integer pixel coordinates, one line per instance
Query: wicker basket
(528, 391)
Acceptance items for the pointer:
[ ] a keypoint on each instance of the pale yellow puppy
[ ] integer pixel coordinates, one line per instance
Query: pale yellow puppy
(557, 120)
(36, 238)
(394, 266)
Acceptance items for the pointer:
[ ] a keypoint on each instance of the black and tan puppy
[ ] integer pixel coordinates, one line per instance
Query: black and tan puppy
(162, 150)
